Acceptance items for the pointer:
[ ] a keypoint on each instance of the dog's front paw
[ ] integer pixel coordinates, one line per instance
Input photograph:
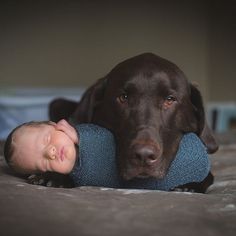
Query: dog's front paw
(183, 189)
(51, 180)
(36, 179)
(195, 187)
(40, 179)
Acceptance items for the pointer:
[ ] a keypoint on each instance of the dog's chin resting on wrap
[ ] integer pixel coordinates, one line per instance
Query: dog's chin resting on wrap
(96, 164)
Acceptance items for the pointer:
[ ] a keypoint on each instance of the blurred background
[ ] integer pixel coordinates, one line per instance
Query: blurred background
(58, 48)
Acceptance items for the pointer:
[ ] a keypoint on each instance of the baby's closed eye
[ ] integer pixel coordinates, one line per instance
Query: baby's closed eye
(47, 138)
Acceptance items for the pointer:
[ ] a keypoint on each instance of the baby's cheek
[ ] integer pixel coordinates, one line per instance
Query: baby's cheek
(70, 153)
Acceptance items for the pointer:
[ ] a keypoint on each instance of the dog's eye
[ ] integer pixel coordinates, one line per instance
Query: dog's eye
(170, 98)
(169, 101)
(123, 98)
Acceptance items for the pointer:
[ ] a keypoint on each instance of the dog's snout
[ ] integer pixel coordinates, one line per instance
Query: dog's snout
(145, 154)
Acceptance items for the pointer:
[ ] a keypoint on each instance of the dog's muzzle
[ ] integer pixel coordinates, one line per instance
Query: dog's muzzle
(144, 160)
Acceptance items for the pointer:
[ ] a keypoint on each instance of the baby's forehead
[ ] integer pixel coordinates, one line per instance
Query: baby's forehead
(35, 127)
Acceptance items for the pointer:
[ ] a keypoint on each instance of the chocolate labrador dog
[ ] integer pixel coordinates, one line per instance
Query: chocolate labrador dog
(148, 104)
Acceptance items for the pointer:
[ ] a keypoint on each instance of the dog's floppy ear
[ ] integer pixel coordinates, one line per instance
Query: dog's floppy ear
(204, 131)
(89, 101)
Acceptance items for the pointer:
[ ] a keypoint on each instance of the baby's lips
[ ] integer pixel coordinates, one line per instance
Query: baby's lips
(62, 157)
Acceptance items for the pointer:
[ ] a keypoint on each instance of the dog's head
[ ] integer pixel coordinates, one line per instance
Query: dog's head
(148, 104)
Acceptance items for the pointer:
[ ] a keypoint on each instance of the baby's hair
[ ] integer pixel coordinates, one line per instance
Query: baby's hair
(9, 144)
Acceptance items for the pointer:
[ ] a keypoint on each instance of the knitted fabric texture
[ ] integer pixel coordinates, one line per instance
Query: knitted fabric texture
(96, 164)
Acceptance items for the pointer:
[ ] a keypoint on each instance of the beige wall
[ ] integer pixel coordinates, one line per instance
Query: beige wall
(51, 43)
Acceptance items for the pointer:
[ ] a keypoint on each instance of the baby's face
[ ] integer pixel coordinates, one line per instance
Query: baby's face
(45, 148)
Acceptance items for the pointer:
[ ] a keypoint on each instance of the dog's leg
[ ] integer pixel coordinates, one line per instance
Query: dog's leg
(196, 187)
(61, 108)
(51, 179)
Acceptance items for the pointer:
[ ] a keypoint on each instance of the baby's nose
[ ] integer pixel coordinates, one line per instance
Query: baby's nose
(51, 152)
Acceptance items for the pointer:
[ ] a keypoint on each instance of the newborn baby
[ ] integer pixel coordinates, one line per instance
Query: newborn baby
(87, 153)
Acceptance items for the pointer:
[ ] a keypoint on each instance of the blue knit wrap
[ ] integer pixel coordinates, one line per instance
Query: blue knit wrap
(96, 164)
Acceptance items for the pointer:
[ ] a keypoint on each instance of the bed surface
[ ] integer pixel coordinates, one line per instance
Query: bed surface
(35, 210)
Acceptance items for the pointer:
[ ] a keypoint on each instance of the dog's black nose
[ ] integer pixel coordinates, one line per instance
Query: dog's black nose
(145, 155)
